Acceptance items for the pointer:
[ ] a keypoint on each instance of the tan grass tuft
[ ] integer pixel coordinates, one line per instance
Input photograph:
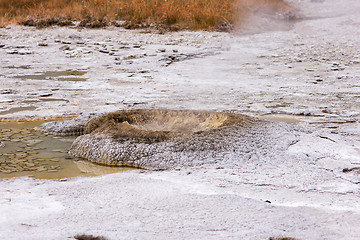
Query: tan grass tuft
(193, 14)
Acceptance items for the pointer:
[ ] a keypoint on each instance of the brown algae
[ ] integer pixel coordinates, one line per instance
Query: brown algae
(27, 152)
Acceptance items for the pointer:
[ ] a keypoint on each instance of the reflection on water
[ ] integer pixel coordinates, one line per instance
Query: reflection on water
(17, 109)
(68, 75)
(26, 152)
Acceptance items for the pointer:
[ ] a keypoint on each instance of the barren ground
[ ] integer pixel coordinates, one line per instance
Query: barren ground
(307, 76)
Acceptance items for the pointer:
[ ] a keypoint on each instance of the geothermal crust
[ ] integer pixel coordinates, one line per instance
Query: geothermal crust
(167, 139)
(281, 182)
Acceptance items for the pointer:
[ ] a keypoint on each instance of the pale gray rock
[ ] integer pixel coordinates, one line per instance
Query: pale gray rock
(73, 127)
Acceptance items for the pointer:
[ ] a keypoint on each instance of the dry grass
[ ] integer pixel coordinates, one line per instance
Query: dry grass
(193, 14)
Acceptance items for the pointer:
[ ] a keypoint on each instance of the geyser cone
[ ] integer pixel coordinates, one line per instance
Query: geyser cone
(159, 125)
(153, 138)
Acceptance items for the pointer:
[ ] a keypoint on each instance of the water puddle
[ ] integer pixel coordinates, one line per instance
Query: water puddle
(65, 73)
(27, 152)
(68, 75)
(32, 76)
(72, 79)
(53, 100)
(19, 67)
(17, 109)
(30, 101)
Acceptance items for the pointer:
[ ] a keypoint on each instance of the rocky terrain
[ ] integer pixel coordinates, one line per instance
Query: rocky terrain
(306, 76)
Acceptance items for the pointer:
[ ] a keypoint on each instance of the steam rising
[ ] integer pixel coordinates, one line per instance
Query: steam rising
(268, 15)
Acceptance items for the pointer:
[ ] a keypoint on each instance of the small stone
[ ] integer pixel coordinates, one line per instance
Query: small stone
(74, 36)
(144, 71)
(45, 94)
(42, 44)
(7, 91)
(161, 50)
(12, 52)
(24, 52)
(110, 103)
(65, 47)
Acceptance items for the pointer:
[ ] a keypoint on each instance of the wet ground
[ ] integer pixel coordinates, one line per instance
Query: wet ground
(27, 152)
(304, 71)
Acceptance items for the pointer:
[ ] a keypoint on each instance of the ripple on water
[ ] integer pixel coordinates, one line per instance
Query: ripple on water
(27, 152)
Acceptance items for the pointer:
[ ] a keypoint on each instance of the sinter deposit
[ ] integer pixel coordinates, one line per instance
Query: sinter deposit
(281, 180)
(166, 139)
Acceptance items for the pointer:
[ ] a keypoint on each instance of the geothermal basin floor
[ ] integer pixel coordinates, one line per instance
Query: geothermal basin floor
(307, 76)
